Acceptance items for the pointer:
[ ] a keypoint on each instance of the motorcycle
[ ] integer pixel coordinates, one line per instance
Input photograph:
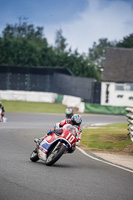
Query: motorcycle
(2, 119)
(69, 113)
(54, 145)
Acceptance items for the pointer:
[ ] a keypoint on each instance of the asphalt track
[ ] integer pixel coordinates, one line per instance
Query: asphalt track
(75, 176)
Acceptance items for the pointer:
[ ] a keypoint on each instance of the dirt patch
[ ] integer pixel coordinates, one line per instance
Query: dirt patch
(111, 137)
(127, 151)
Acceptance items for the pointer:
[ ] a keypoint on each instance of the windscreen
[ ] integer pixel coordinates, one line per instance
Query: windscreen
(71, 129)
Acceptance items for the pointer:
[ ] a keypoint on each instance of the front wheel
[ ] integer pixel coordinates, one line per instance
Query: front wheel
(54, 155)
(34, 156)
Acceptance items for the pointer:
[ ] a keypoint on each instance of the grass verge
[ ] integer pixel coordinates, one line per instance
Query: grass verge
(39, 107)
(112, 138)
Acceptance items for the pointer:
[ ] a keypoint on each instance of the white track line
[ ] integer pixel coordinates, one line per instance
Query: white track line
(106, 162)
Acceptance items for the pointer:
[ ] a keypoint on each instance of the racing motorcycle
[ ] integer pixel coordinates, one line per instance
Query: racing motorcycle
(2, 119)
(69, 113)
(55, 145)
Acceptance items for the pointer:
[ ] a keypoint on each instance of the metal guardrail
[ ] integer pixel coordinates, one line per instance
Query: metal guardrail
(130, 120)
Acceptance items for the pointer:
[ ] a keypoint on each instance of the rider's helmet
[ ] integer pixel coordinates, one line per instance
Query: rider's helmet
(69, 112)
(76, 120)
(0, 104)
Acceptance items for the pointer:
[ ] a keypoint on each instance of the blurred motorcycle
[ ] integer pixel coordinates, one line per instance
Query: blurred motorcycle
(69, 112)
(2, 119)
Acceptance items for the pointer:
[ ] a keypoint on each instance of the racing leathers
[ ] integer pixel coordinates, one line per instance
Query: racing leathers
(58, 127)
(68, 121)
(2, 111)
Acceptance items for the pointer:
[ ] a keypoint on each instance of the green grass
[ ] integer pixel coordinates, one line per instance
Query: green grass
(110, 137)
(39, 107)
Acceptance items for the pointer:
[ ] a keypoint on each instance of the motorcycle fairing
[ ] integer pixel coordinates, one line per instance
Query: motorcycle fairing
(49, 140)
(46, 145)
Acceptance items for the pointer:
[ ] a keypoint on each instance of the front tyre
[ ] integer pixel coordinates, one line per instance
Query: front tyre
(54, 155)
(34, 156)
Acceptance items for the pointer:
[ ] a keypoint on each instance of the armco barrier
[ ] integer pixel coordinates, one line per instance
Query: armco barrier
(130, 120)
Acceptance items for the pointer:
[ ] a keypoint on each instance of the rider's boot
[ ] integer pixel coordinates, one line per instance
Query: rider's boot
(38, 141)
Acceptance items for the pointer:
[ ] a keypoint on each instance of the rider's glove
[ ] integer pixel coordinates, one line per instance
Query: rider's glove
(58, 131)
(49, 132)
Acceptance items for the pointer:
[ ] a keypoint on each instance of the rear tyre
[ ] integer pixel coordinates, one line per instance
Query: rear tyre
(34, 156)
(53, 156)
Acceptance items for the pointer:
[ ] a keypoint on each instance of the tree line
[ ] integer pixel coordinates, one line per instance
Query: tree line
(23, 44)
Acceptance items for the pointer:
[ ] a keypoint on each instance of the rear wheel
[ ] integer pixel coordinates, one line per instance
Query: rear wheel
(55, 154)
(34, 156)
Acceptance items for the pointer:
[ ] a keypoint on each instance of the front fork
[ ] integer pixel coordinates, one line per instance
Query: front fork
(56, 146)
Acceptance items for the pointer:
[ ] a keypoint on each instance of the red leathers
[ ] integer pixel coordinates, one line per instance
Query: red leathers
(68, 121)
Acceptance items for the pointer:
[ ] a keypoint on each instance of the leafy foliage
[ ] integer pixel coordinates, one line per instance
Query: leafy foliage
(23, 44)
(60, 42)
(127, 42)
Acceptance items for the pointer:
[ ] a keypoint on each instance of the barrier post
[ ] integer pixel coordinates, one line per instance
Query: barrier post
(130, 121)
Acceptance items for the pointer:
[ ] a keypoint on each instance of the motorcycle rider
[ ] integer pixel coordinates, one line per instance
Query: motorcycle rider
(75, 120)
(2, 112)
(69, 112)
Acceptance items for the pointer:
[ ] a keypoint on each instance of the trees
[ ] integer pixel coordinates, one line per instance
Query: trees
(127, 42)
(22, 30)
(22, 44)
(60, 42)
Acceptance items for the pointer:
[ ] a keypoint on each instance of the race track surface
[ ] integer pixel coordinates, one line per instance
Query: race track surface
(75, 176)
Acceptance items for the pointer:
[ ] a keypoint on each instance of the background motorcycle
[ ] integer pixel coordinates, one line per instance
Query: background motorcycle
(69, 112)
(54, 145)
(2, 119)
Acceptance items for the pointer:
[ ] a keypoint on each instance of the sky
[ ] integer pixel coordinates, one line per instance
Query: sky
(82, 22)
